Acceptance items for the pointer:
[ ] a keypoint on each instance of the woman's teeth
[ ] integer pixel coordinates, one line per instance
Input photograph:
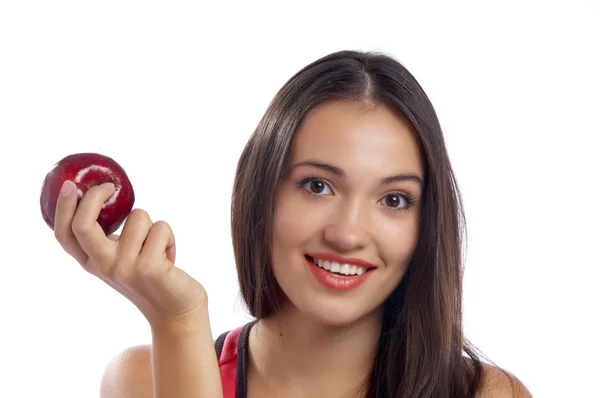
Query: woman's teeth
(344, 269)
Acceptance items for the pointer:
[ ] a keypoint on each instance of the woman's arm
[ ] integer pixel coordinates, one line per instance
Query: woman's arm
(184, 361)
(181, 362)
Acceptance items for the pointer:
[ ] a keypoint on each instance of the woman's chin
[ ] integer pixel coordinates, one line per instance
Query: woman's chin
(334, 314)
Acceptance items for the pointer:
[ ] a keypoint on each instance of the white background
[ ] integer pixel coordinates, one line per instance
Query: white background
(172, 91)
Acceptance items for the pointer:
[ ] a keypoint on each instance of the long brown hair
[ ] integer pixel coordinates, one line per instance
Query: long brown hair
(420, 352)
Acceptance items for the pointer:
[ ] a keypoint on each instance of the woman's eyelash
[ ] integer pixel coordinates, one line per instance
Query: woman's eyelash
(305, 181)
(410, 200)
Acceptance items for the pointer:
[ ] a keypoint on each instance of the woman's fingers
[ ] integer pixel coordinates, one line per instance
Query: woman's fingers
(86, 229)
(134, 234)
(159, 246)
(65, 211)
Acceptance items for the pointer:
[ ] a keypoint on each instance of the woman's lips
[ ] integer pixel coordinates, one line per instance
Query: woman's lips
(353, 275)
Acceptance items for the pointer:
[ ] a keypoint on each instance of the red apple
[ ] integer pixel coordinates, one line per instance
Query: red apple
(87, 170)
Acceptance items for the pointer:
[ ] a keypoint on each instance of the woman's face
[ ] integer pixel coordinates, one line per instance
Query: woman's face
(349, 204)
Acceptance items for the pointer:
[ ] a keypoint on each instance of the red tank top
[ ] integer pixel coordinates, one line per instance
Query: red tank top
(232, 351)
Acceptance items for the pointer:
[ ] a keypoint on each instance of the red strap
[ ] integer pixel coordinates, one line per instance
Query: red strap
(228, 363)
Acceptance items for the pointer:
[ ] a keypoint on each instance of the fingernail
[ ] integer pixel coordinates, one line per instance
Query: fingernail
(108, 185)
(67, 188)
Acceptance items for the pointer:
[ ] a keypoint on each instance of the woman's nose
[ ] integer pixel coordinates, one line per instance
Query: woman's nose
(347, 229)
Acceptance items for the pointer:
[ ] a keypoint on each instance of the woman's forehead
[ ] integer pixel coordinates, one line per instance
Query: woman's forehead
(356, 139)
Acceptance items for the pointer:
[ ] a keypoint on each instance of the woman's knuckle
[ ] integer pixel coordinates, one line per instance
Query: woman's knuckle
(80, 228)
(123, 274)
(139, 214)
(161, 226)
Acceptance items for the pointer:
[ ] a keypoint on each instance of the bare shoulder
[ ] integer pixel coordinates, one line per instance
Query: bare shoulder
(498, 383)
(129, 374)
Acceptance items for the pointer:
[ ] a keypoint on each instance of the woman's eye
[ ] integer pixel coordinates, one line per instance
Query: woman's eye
(317, 187)
(396, 202)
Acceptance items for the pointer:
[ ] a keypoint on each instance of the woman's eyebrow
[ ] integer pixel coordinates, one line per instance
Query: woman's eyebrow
(340, 173)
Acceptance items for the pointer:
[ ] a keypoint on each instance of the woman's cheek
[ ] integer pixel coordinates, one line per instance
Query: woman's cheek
(297, 219)
(397, 239)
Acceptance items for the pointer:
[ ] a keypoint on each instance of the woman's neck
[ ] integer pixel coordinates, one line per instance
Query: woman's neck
(288, 352)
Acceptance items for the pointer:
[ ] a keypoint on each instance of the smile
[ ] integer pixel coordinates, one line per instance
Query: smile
(337, 268)
(339, 275)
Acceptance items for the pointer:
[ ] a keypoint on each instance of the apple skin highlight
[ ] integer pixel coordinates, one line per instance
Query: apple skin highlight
(87, 170)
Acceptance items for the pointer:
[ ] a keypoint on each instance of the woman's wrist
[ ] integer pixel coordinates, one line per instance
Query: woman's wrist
(193, 322)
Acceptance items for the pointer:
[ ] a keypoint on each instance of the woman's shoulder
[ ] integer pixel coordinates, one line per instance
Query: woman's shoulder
(129, 373)
(500, 383)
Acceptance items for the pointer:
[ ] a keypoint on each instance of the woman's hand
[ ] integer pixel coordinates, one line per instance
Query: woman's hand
(139, 264)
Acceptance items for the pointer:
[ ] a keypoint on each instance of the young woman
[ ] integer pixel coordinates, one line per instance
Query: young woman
(347, 229)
